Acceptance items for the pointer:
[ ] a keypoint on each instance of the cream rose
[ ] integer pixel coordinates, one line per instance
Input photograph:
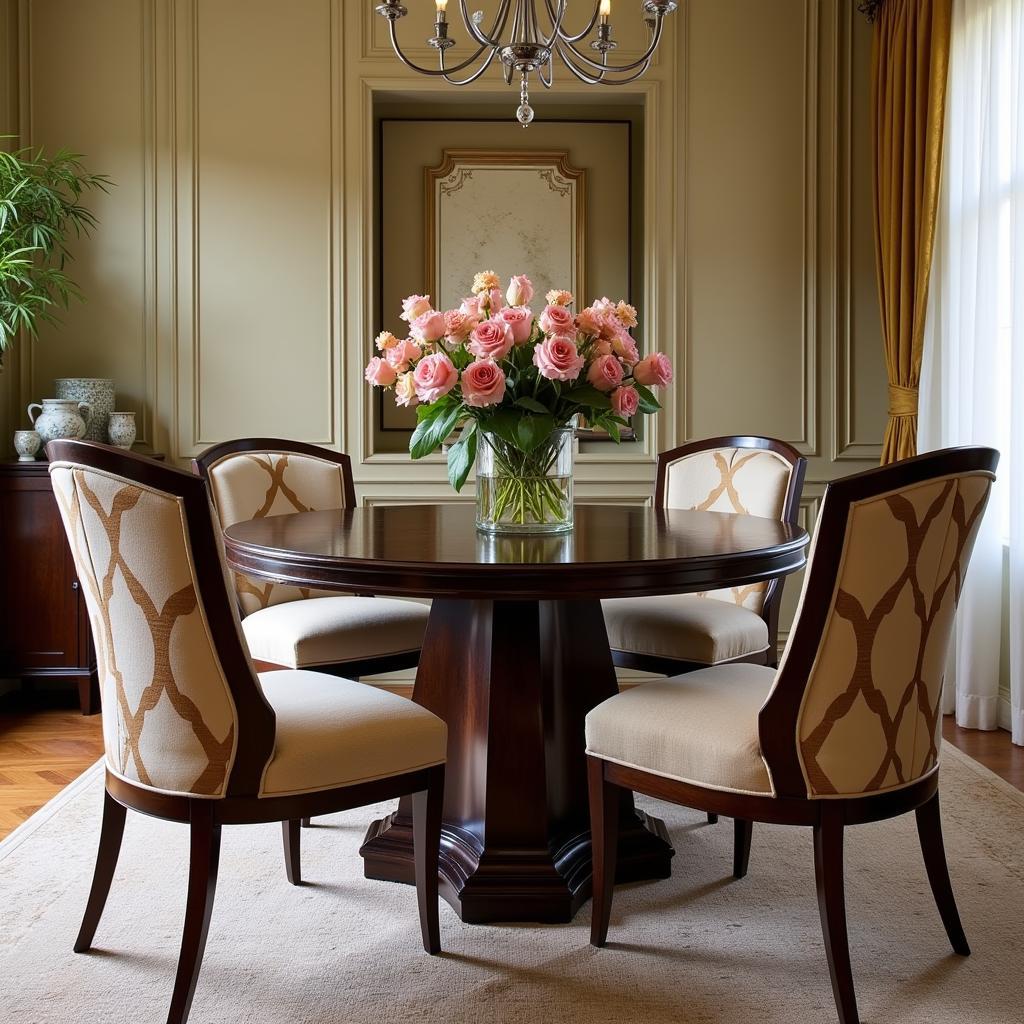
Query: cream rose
(520, 290)
(405, 391)
(414, 306)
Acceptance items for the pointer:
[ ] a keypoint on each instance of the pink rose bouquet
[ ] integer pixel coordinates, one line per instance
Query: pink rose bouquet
(496, 370)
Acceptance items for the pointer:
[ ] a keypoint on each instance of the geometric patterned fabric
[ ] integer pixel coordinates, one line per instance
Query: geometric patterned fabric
(739, 480)
(870, 717)
(250, 485)
(169, 720)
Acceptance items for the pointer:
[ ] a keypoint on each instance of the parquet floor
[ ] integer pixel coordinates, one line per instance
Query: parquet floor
(45, 743)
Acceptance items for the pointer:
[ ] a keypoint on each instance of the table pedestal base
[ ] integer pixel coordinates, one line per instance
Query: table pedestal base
(514, 680)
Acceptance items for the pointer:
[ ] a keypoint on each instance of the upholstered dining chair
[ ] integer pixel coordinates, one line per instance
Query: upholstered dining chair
(756, 476)
(295, 627)
(848, 729)
(191, 733)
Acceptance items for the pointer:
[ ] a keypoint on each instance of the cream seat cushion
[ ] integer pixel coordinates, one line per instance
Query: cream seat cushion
(336, 732)
(684, 627)
(332, 630)
(699, 728)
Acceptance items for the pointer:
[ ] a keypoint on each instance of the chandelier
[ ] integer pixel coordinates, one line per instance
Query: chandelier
(530, 46)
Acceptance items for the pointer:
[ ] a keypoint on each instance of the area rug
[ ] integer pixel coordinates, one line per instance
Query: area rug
(698, 947)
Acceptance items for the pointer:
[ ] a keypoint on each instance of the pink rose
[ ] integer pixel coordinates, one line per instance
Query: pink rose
(588, 321)
(405, 391)
(428, 327)
(625, 402)
(520, 290)
(414, 306)
(625, 347)
(556, 320)
(520, 322)
(470, 306)
(605, 373)
(491, 339)
(458, 325)
(601, 348)
(403, 355)
(483, 383)
(379, 373)
(492, 301)
(655, 369)
(558, 358)
(434, 376)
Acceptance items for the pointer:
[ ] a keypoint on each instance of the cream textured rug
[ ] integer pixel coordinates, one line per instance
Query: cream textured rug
(698, 947)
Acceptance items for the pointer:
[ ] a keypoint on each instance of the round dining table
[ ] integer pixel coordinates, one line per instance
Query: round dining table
(515, 655)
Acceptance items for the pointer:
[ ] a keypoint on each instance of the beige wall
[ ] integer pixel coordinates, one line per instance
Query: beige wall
(231, 285)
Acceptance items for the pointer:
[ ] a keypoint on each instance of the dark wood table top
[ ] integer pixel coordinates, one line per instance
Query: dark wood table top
(435, 550)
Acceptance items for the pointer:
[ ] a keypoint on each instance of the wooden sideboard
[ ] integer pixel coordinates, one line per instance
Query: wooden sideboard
(44, 625)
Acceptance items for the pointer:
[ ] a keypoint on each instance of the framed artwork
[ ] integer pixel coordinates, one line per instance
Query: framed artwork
(513, 212)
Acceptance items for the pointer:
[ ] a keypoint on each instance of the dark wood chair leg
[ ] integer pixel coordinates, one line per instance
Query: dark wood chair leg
(292, 856)
(712, 818)
(202, 884)
(828, 873)
(742, 831)
(307, 822)
(604, 847)
(929, 831)
(111, 831)
(426, 836)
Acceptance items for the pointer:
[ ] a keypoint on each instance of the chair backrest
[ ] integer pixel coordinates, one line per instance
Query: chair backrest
(758, 476)
(256, 477)
(183, 712)
(855, 708)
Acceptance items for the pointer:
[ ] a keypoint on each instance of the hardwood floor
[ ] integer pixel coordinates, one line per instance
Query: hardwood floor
(45, 743)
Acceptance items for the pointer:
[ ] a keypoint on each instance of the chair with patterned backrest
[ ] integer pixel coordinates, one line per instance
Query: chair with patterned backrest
(296, 627)
(756, 476)
(191, 733)
(848, 729)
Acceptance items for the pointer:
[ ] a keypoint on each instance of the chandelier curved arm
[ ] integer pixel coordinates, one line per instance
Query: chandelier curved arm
(581, 35)
(494, 39)
(474, 75)
(433, 72)
(556, 20)
(604, 68)
(599, 79)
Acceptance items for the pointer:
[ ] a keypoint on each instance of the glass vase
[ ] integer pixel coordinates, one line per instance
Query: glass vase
(524, 492)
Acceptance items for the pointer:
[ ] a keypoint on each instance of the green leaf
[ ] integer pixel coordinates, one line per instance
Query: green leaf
(532, 430)
(502, 422)
(461, 456)
(589, 396)
(430, 433)
(532, 405)
(648, 403)
(425, 413)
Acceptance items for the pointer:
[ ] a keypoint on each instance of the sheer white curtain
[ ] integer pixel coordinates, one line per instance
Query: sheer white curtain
(972, 380)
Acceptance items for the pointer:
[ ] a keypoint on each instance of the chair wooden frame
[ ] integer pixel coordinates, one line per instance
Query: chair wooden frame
(256, 736)
(203, 463)
(773, 593)
(777, 729)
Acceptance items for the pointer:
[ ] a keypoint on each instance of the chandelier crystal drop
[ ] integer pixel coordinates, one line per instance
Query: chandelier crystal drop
(536, 33)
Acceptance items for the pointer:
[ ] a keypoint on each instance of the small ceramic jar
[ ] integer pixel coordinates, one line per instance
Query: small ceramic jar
(27, 444)
(122, 429)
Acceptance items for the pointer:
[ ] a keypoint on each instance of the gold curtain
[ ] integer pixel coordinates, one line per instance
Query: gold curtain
(909, 61)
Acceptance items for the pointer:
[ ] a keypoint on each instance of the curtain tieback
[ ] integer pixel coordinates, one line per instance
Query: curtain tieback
(902, 401)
